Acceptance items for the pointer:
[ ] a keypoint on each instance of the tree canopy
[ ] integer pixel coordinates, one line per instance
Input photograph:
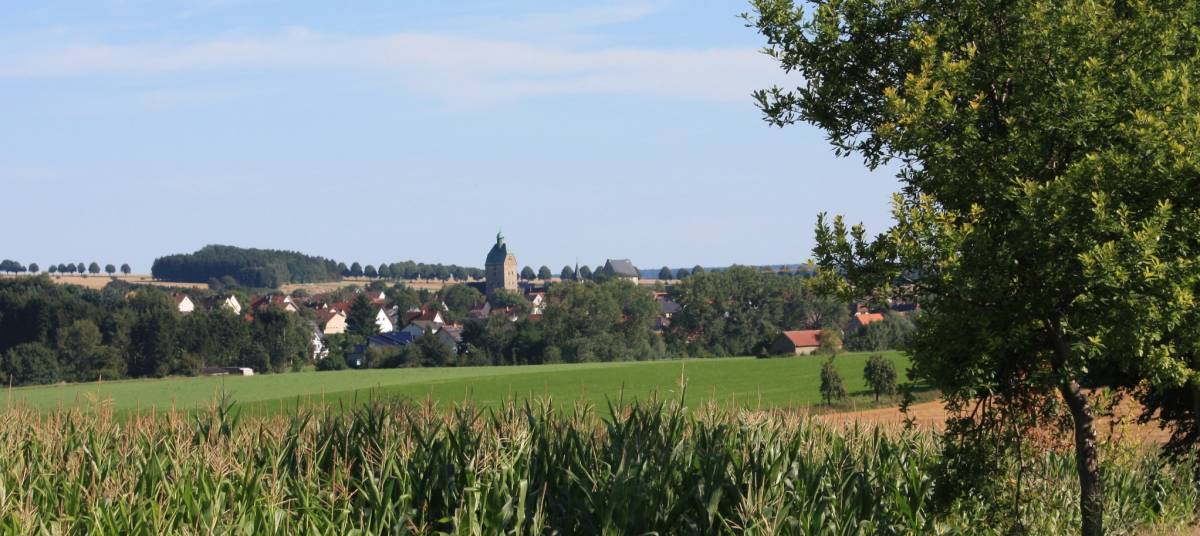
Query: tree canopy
(249, 267)
(1049, 215)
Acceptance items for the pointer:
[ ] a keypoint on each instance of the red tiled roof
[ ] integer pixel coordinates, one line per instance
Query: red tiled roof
(804, 338)
(867, 318)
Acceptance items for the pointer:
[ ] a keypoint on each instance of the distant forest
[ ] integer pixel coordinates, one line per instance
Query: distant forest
(229, 266)
(263, 268)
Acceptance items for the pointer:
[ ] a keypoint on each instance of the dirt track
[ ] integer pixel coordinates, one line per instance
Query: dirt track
(932, 416)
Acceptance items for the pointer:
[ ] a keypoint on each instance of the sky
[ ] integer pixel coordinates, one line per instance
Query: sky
(386, 131)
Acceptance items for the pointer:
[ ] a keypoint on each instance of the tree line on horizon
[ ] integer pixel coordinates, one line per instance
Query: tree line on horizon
(14, 267)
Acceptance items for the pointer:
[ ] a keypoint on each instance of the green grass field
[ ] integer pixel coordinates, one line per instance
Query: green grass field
(750, 382)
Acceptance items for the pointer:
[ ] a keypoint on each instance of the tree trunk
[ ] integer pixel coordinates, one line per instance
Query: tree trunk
(1091, 493)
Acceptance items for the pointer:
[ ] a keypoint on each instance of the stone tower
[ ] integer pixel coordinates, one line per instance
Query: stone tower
(500, 269)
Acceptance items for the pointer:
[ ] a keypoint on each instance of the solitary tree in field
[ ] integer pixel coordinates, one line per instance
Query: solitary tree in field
(125, 269)
(544, 273)
(527, 273)
(831, 383)
(880, 374)
(110, 269)
(665, 273)
(93, 268)
(34, 268)
(1046, 151)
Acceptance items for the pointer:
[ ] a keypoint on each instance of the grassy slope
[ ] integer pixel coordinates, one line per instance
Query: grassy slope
(752, 382)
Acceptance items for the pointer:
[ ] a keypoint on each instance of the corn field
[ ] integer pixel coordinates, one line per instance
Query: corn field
(400, 468)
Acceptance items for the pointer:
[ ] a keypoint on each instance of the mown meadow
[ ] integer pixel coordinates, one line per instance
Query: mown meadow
(394, 467)
(748, 382)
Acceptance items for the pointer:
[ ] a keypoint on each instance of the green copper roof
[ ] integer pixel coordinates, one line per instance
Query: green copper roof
(499, 251)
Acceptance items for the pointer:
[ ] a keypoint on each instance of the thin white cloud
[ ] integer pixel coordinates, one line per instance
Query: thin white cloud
(449, 67)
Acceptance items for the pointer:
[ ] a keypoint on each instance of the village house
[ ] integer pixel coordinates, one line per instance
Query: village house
(536, 301)
(229, 303)
(183, 303)
(861, 320)
(384, 322)
(451, 336)
(387, 340)
(622, 268)
(319, 351)
(802, 342)
(282, 301)
(331, 321)
(666, 309)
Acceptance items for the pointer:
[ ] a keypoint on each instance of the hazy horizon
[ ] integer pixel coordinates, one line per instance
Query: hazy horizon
(584, 131)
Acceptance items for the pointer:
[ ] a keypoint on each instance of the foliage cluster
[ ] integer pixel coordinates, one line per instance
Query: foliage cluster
(51, 333)
(258, 268)
(738, 311)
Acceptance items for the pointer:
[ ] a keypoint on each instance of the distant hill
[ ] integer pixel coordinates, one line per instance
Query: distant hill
(265, 268)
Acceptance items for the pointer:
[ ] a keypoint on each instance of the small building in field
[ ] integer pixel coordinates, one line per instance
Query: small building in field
(801, 342)
(227, 371)
(183, 303)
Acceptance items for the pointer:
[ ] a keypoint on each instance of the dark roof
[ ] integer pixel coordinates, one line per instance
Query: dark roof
(393, 338)
(667, 306)
(622, 267)
(499, 251)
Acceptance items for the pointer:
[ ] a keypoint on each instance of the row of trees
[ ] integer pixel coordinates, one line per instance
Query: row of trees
(410, 270)
(879, 374)
(51, 333)
(14, 267)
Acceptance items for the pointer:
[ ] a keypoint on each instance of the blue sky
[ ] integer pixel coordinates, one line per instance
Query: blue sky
(384, 131)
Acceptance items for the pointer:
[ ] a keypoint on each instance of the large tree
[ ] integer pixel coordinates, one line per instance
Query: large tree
(125, 269)
(361, 318)
(665, 273)
(544, 273)
(1049, 213)
(527, 273)
(567, 273)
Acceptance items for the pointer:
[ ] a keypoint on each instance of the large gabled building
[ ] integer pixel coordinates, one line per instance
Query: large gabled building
(500, 268)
